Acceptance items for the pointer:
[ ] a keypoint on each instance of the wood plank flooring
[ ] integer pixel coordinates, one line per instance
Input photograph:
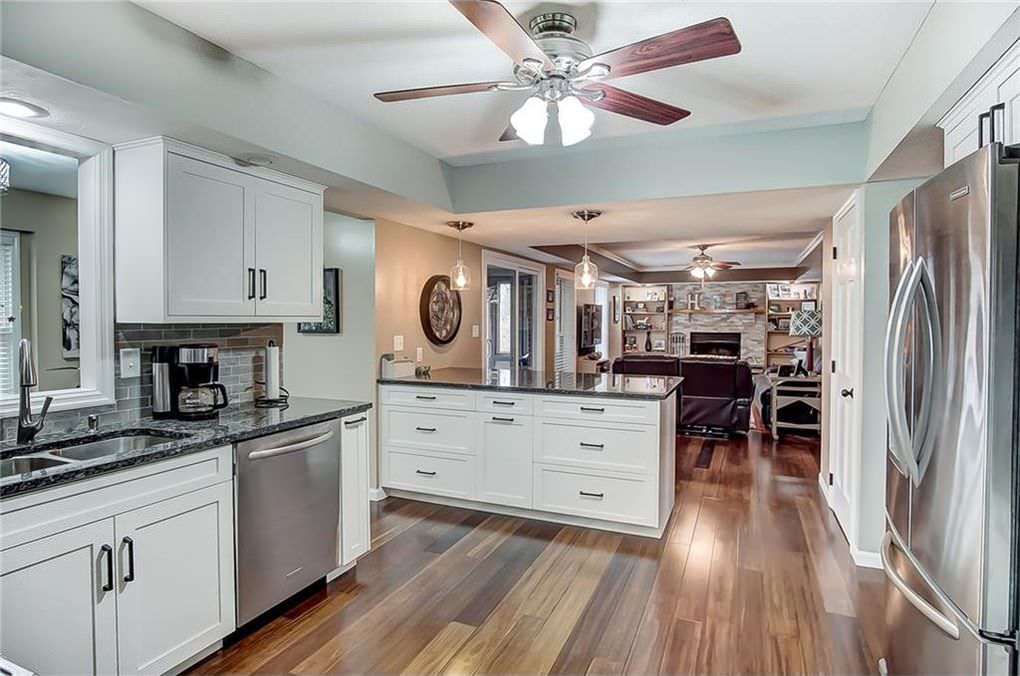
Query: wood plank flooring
(753, 577)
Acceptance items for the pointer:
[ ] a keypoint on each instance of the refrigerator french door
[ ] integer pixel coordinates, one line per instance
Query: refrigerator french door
(950, 547)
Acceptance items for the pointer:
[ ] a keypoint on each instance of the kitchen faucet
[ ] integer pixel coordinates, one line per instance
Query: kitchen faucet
(27, 426)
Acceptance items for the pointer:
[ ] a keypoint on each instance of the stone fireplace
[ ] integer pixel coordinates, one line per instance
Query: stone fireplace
(715, 343)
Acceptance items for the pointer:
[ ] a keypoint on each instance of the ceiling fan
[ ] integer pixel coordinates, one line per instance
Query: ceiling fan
(559, 69)
(704, 266)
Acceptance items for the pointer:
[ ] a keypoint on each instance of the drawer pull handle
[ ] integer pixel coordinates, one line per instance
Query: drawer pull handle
(593, 409)
(585, 444)
(424, 397)
(496, 418)
(503, 403)
(425, 429)
(586, 494)
(357, 421)
(424, 473)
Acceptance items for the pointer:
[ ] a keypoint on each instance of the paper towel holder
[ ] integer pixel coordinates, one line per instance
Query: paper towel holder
(266, 401)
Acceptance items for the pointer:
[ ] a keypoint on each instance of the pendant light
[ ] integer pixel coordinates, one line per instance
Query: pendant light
(460, 274)
(586, 273)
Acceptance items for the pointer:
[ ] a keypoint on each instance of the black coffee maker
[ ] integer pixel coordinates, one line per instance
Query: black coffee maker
(190, 384)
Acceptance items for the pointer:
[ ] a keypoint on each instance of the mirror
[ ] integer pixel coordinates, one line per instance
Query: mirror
(39, 265)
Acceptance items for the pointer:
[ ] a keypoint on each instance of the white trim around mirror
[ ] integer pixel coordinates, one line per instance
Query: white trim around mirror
(95, 266)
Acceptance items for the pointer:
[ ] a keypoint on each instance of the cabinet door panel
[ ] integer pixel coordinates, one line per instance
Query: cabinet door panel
(181, 599)
(288, 251)
(56, 617)
(209, 240)
(355, 518)
(504, 460)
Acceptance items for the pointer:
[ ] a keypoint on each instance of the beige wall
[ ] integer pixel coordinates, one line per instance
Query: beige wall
(405, 258)
(49, 227)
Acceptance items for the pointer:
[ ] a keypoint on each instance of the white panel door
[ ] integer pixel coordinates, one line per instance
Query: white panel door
(210, 240)
(845, 437)
(175, 576)
(288, 251)
(504, 459)
(355, 517)
(58, 610)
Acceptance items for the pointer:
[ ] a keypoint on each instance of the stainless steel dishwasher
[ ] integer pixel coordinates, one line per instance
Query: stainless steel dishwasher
(287, 499)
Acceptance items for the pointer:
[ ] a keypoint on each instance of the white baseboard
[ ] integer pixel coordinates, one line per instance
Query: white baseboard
(339, 571)
(376, 494)
(823, 486)
(866, 559)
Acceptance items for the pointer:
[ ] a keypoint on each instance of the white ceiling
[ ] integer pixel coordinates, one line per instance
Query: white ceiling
(802, 62)
(40, 170)
(759, 229)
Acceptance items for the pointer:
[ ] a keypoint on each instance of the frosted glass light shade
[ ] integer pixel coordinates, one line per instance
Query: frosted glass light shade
(530, 120)
(710, 272)
(460, 276)
(698, 273)
(586, 274)
(575, 120)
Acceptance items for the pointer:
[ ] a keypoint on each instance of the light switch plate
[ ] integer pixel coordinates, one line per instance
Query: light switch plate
(130, 362)
(419, 354)
(398, 343)
(474, 331)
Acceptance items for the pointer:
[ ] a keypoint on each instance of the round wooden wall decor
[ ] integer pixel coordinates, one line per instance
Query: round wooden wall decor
(439, 310)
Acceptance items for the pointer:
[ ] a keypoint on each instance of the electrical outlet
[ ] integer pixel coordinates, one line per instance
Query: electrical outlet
(398, 343)
(419, 354)
(130, 362)
(474, 331)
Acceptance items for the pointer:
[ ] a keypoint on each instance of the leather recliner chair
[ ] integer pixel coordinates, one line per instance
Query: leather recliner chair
(716, 394)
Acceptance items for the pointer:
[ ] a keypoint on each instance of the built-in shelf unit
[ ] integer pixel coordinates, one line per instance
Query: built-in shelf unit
(646, 311)
(783, 300)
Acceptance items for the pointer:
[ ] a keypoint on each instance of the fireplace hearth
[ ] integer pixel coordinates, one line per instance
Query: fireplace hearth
(715, 343)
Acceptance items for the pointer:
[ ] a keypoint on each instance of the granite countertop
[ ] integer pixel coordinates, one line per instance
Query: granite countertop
(235, 423)
(537, 382)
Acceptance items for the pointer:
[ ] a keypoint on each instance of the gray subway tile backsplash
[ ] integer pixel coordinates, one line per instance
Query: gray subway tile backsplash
(241, 365)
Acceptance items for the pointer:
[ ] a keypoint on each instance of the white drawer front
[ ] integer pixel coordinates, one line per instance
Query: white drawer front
(594, 410)
(504, 464)
(512, 404)
(621, 447)
(429, 429)
(431, 397)
(630, 499)
(439, 475)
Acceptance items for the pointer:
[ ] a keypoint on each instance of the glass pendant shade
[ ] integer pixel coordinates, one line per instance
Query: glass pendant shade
(530, 120)
(460, 276)
(586, 274)
(575, 120)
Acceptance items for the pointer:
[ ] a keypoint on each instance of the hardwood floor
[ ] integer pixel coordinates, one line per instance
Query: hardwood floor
(753, 576)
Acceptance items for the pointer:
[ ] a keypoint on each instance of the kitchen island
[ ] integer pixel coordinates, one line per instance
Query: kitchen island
(594, 450)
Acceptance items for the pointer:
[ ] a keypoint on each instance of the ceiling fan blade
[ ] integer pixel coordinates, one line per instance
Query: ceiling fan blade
(728, 264)
(509, 134)
(428, 92)
(634, 105)
(500, 26)
(706, 40)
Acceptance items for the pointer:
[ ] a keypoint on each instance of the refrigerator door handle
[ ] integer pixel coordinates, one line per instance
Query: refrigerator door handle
(948, 627)
(932, 385)
(898, 436)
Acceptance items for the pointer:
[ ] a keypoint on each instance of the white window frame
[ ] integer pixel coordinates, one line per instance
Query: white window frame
(521, 265)
(95, 265)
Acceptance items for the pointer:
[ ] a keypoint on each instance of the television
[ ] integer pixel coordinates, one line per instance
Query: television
(589, 328)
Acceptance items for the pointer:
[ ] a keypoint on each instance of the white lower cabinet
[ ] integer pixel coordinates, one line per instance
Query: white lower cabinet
(126, 573)
(504, 468)
(623, 498)
(355, 515)
(430, 472)
(175, 579)
(57, 606)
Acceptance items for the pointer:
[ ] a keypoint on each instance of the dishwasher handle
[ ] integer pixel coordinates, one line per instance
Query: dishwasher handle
(290, 448)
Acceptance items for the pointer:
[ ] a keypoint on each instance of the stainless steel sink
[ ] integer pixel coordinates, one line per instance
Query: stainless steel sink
(15, 466)
(109, 446)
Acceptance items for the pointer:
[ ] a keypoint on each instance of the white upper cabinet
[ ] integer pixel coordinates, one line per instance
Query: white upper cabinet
(991, 108)
(199, 238)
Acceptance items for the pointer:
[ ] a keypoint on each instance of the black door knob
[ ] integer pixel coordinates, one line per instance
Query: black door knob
(847, 394)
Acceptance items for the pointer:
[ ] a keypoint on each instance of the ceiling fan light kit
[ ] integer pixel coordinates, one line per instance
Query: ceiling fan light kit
(704, 267)
(556, 67)
(460, 274)
(586, 273)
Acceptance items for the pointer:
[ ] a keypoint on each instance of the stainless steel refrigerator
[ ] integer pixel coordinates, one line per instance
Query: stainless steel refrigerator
(952, 388)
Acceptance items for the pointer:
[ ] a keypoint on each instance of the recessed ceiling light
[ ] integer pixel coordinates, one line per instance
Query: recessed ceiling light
(19, 108)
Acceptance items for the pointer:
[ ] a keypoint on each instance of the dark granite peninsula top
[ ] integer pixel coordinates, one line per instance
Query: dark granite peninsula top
(536, 382)
(235, 423)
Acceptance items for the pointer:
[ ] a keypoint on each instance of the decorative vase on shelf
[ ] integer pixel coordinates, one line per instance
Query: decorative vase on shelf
(648, 341)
